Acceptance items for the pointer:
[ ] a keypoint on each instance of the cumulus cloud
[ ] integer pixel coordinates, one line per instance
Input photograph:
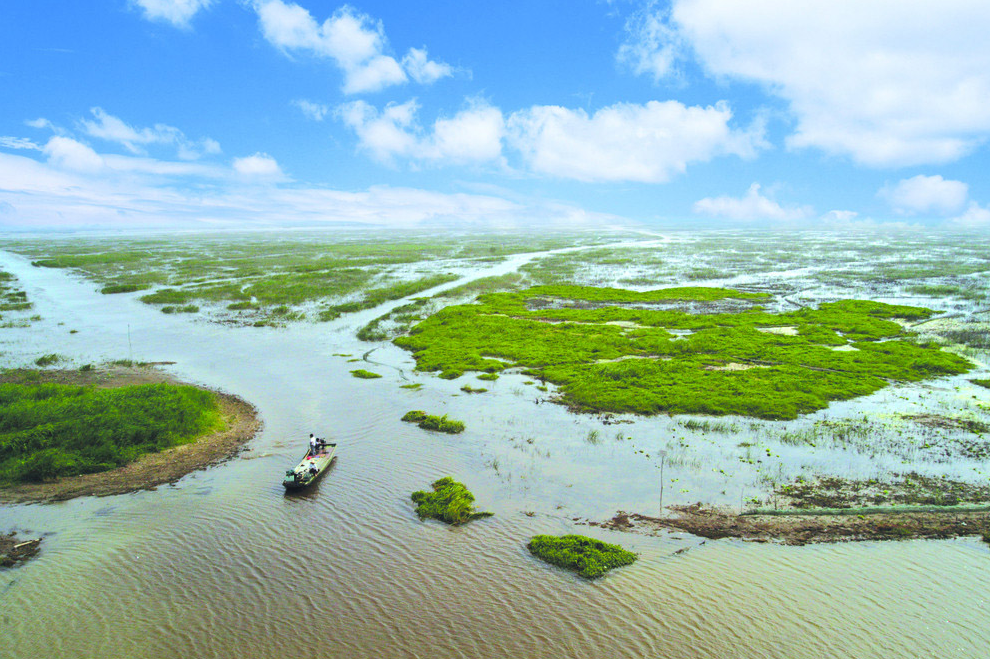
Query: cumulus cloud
(473, 135)
(354, 41)
(751, 206)
(67, 153)
(627, 142)
(314, 111)
(258, 166)
(113, 129)
(926, 195)
(975, 217)
(176, 12)
(886, 83)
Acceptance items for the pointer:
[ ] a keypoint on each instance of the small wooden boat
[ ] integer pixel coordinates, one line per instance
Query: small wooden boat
(310, 468)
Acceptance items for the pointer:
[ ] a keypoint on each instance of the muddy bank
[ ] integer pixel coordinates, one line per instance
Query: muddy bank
(14, 550)
(151, 469)
(801, 529)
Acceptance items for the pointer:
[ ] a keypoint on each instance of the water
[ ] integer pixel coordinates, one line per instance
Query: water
(224, 564)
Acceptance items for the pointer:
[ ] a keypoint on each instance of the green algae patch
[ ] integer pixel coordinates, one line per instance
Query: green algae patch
(449, 502)
(609, 350)
(433, 422)
(588, 557)
(364, 375)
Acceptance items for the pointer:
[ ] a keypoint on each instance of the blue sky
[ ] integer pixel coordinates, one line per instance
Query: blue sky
(132, 114)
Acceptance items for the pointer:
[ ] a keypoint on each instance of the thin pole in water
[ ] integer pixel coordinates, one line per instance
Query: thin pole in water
(663, 458)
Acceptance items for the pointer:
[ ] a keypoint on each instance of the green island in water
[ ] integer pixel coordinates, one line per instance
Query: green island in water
(689, 350)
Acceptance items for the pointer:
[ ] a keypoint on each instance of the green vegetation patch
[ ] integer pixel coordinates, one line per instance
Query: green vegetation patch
(610, 350)
(364, 375)
(982, 383)
(49, 359)
(588, 557)
(53, 430)
(449, 502)
(122, 288)
(433, 422)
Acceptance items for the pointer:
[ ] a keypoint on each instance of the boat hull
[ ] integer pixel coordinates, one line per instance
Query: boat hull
(309, 469)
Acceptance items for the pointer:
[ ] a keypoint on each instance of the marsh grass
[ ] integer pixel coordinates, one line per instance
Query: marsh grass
(433, 422)
(468, 389)
(52, 430)
(49, 359)
(449, 502)
(609, 350)
(412, 387)
(364, 375)
(588, 557)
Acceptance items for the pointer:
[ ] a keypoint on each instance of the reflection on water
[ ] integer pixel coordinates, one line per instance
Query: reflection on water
(224, 564)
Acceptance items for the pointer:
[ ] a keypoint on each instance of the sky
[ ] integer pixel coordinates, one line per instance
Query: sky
(556, 114)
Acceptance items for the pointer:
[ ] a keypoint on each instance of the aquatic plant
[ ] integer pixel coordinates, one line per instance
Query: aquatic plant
(53, 430)
(432, 422)
(365, 375)
(449, 502)
(413, 386)
(982, 383)
(588, 557)
(488, 376)
(468, 389)
(49, 359)
(113, 289)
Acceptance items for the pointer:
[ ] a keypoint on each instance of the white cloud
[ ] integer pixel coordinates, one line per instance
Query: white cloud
(887, 83)
(422, 69)
(176, 12)
(473, 135)
(356, 42)
(653, 46)
(751, 206)
(113, 129)
(314, 111)
(258, 166)
(840, 216)
(926, 194)
(9, 142)
(66, 153)
(627, 142)
(139, 192)
(975, 217)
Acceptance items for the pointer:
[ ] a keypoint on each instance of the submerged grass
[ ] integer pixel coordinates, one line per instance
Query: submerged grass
(53, 430)
(449, 502)
(588, 557)
(609, 350)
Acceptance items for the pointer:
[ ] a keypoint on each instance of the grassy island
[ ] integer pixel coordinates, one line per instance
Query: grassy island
(686, 350)
(365, 375)
(449, 502)
(433, 422)
(52, 430)
(588, 557)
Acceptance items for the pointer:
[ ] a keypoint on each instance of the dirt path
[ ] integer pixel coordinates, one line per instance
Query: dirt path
(714, 523)
(151, 469)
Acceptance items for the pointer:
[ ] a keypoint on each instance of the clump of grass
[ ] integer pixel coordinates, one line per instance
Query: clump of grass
(491, 377)
(433, 422)
(593, 437)
(51, 430)
(468, 389)
(982, 383)
(449, 502)
(186, 308)
(122, 288)
(364, 375)
(243, 306)
(412, 387)
(49, 359)
(588, 557)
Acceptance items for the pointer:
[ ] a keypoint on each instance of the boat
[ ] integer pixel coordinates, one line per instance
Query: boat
(310, 467)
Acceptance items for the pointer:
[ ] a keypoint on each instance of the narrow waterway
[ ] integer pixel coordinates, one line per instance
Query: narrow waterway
(224, 564)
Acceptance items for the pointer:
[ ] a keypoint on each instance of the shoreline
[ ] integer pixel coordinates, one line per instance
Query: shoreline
(799, 528)
(151, 469)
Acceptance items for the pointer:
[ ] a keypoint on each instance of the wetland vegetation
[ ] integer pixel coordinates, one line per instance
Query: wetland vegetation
(434, 422)
(449, 502)
(588, 557)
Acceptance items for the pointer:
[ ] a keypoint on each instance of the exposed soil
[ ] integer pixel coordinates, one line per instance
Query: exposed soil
(151, 469)
(715, 523)
(14, 550)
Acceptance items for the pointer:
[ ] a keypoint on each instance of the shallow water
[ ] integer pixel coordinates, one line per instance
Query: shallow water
(223, 563)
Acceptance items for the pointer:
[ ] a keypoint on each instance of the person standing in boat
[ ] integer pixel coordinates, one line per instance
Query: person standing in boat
(314, 444)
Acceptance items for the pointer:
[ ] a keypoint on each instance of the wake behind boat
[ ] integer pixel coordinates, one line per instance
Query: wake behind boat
(311, 466)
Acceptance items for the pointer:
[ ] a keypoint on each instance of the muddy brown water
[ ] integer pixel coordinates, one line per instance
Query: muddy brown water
(224, 564)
